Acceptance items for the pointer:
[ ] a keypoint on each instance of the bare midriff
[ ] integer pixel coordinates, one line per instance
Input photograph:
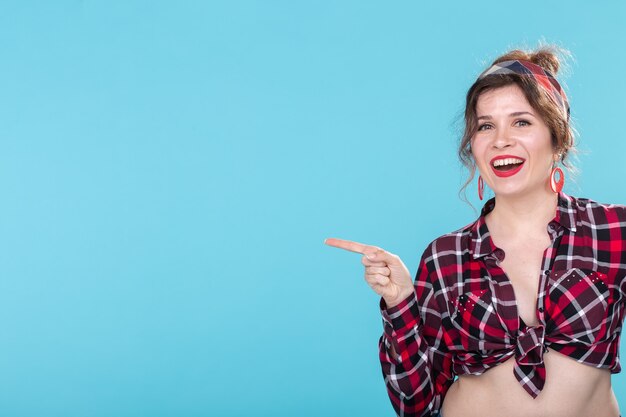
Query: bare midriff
(572, 389)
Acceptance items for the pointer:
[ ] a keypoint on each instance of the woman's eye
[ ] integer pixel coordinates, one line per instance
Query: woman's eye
(484, 127)
(523, 123)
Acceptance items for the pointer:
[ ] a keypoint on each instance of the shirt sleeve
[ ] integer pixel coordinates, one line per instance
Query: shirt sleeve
(619, 242)
(419, 375)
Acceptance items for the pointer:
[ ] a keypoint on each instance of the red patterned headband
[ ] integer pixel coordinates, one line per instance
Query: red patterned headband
(543, 78)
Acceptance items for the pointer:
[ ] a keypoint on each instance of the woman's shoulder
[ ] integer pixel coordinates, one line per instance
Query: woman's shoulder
(591, 203)
(592, 211)
(455, 243)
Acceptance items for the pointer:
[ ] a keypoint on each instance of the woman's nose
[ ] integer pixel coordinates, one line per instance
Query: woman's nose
(503, 138)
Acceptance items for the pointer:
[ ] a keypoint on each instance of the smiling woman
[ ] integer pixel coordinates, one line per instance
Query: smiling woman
(534, 76)
(533, 291)
(512, 146)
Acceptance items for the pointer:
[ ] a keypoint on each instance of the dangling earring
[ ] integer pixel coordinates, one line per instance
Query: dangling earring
(481, 187)
(557, 185)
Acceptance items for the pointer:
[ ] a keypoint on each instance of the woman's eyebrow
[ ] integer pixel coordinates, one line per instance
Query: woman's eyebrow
(514, 114)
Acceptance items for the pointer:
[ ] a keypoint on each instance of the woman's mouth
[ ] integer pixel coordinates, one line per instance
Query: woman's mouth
(505, 166)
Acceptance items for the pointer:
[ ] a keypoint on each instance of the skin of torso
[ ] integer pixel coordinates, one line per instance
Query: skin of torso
(572, 389)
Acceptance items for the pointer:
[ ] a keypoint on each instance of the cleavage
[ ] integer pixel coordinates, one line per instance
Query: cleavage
(523, 272)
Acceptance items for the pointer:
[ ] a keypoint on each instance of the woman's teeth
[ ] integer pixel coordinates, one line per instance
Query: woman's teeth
(506, 161)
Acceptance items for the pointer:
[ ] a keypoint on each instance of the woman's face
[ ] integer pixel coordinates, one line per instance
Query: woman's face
(512, 146)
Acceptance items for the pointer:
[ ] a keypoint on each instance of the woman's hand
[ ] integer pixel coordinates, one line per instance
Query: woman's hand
(384, 271)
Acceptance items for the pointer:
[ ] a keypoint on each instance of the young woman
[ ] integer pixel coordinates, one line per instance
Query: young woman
(525, 305)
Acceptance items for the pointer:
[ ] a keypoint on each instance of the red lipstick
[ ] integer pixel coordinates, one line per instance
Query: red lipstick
(508, 173)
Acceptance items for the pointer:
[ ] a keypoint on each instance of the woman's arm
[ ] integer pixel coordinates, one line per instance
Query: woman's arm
(417, 373)
(415, 362)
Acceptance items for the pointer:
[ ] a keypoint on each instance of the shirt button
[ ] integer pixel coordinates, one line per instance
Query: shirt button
(547, 273)
(541, 309)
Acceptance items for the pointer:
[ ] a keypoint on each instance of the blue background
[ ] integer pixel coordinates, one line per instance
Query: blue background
(169, 171)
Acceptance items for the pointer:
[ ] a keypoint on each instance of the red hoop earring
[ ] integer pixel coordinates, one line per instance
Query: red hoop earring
(557, 186)
(481, 187)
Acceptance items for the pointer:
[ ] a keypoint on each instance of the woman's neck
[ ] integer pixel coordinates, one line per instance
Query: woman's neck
(522, 215)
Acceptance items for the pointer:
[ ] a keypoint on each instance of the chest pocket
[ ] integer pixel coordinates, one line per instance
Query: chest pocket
(577, 305)
(474, 316)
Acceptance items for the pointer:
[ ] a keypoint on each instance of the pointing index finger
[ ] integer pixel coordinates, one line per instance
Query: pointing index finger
(348, 245)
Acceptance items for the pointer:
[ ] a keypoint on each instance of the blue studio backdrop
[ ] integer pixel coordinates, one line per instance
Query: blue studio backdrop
(170, 170)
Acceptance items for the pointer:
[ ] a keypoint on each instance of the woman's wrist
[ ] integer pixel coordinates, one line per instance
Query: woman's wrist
(397, 300)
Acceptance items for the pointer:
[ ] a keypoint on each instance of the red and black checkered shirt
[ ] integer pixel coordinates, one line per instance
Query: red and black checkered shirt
(463, 319)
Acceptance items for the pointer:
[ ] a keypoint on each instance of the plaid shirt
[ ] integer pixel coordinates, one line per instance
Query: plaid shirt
(463, 319)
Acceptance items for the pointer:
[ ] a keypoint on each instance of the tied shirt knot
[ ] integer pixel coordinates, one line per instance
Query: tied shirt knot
(530, 346)
(529, 367)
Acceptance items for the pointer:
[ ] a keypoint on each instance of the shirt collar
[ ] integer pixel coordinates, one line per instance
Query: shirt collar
(480, 238)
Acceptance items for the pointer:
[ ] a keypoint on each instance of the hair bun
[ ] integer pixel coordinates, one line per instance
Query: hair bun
(546, 58)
